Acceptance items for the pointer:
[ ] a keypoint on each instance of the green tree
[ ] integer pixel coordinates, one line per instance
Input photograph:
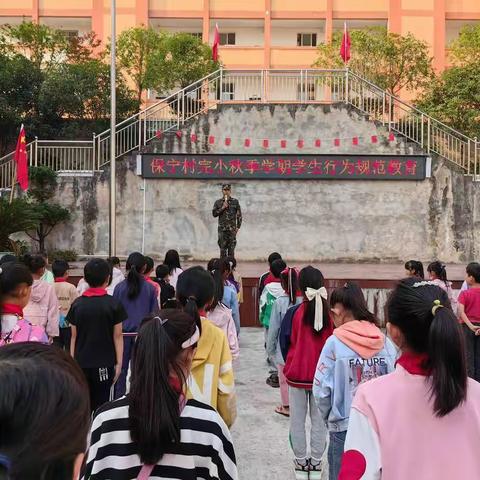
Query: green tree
(43, 184)
(18, 216)
(465, 50)
(135, 48)
(41, 44)
(180, 60)
(391, 61)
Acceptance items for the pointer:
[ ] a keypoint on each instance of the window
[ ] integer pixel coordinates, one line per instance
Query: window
(306, 39)
(227, 39)
(198, 35)
(71, 34)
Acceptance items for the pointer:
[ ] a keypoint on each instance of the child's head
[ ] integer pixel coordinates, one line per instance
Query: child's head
(114, 262)
(312, 284)
(161, 361)
(150, 265)
(277, 267)
(348, 303)
(437, 270)
(163, 273)
(36, 264)
(45, 416)
(414, 268)
(135, 266)
(289, 282)
(60, 268)
(272, 257)
(472, 273)
(8, 257)
(15, 284)
(97, 273)
(195, 290)
(172, 259)
(420, 320)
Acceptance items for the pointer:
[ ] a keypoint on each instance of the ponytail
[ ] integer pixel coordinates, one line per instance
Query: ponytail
(135, 267)
(423, 314)
(214, 268)
(289, 281)
(158, 381)
(440, 270)
(313, 278)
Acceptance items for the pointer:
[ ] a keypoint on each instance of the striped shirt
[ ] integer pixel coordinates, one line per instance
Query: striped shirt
(205, 450)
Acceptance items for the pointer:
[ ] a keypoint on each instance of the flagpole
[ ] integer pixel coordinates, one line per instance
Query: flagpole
(113, 121)
(14, 174)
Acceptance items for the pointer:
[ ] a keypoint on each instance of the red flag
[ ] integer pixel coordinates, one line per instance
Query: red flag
(211, 140)
(355, 141)
(216, 43)
(346, 44)
(265, 143)
(228, 141)
(20, 157)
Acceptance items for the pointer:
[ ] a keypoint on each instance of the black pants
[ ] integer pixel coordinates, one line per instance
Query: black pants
(100, 382)
(227, 241)
(64, 338)
(472, 347)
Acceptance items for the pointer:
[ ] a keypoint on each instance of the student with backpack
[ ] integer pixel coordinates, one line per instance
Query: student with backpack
(303, 333)
(155, 431)
(66, 294)
(15, 286)
(44, 412)
(356, 352)
(139, 299)
(422, 421)
(96, 322)
(211, 379)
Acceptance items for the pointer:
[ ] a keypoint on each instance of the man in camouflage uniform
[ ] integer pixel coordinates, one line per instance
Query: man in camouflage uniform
(229, 214)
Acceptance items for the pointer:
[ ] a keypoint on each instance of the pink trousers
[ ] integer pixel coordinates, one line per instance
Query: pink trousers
(283, 386)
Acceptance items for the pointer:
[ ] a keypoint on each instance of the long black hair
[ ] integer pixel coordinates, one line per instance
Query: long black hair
(154, 411)
(215, 268)
(313, 278)
(44, 412)
(289, 281)
(12, 275)
(440, 271)
(135, 267)
(195, 290)
(352, 299)
(436, 332)
(172, 259)
(416, 267)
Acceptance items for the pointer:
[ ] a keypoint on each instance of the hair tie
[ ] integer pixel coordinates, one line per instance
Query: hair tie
(193, 298)
(192, 340)
(436, 306)
(1, 271)
(162, 321)
(4, 460)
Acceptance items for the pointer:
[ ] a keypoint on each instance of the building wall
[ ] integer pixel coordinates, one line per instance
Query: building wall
(305, 220)
(436, 21)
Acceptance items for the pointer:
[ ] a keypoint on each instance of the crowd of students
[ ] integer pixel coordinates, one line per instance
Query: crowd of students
(153, 359)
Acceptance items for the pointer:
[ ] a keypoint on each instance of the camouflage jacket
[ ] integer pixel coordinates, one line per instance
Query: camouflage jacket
(231, 217)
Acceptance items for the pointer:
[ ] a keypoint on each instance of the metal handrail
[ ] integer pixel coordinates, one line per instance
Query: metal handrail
(247, 85)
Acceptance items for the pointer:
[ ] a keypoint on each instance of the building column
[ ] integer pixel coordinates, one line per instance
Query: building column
(394, 17)
(35, 14)
(206, 22)
(267, 34)
(97, 18)
(329, 22)
(141, 13)
(439, 41)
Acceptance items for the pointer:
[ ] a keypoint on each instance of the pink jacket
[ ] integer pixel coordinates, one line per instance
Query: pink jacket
(221, 316)
(393, 433)
(43, 309)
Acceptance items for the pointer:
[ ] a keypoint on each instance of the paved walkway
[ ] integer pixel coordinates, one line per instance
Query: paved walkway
(260, 435)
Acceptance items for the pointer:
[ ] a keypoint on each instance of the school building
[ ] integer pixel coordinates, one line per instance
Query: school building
(258, 34)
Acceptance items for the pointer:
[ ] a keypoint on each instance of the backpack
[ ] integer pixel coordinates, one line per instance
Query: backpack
(24, 331)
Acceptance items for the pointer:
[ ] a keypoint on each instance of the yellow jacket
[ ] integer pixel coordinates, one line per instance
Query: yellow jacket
(211, 378)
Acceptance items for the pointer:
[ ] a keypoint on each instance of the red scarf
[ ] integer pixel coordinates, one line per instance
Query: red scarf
(415, 363)
(60, 279)
(95, 292)
(202, 312)
(270, 279)
(12, 309)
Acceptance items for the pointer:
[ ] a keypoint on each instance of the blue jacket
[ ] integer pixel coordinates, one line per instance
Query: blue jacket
(230, 299)
(341, 369)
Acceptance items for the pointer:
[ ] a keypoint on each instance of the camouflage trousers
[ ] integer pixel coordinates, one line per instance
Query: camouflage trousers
(227, 241)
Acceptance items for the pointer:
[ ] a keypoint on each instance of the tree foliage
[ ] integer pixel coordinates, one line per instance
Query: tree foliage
(43, 184)
(135, 48)
(465, 50)
(180, 60)
(391, 61)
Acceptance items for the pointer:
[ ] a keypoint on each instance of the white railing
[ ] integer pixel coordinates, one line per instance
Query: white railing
(249, 86)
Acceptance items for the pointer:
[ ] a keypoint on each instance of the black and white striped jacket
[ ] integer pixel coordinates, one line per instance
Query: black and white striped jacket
(205, 450)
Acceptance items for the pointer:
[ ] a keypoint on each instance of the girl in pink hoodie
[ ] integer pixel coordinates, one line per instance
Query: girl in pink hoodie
(43, 308)
(421, 422)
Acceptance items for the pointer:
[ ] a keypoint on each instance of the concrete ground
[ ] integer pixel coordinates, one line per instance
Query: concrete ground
(260, 435)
